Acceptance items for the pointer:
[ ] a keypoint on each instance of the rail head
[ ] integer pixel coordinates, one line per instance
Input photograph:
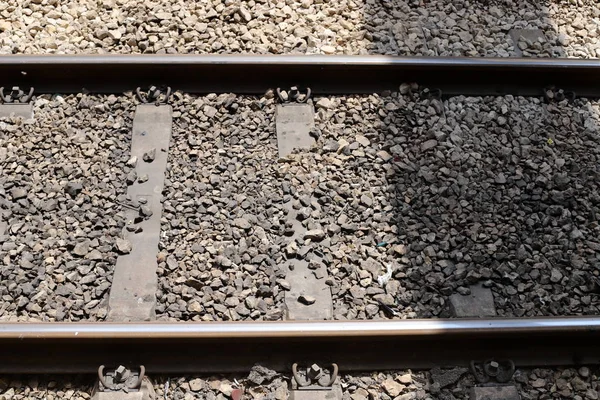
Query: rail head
(299, 329)
(222, 347)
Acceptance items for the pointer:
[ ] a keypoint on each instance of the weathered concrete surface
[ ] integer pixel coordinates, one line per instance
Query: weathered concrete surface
(133, 291)
(333, 394)
(293, 123)
(480, 303)
(3, 223)
(24, 111)
(505, 392)
(303, 281)
(532, 35)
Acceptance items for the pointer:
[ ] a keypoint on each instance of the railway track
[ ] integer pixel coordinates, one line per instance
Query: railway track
(144, 193)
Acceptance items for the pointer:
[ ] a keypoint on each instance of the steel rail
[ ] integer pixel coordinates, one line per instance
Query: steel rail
(235, 346)
(254, 74)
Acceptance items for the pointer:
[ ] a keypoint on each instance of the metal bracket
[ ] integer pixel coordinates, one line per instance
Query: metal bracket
(121, 379)
(498, 371)
(16, 95)
(431, 94)
(315, 377)
(293, 95)
(154, 95)
(553, 94)
(434, 98)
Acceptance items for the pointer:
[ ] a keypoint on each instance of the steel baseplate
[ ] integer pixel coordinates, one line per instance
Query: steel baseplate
(16, 103)
(315, 383)
(123, 384)
(146, 392)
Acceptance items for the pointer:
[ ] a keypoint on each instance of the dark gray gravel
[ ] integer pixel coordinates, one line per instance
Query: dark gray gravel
(456, 384)
(61, 178)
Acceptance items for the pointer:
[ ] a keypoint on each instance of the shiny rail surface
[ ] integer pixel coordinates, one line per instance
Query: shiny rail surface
(274, 329)
(235, 346)
(255, 74)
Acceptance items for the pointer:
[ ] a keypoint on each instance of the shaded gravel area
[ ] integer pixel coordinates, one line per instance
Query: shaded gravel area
(455, 384)
(497, 190)
(443, 27)
(417, 199)
(221, 215)
(62, 178)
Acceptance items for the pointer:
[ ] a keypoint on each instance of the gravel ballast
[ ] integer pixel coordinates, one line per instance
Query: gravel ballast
(220, 258)
(409, 200)
(497, 190)
(414, 200)
(56, 387)
(62, 178)
(447, 384)
(411, 27)
(456, 384)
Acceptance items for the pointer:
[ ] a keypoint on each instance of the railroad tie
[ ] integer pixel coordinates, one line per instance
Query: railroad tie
(16, 102)
(294, 123)
(3, 213)
(3, 224)
(505, 392)
(309, 297)
(24, 111)
(478, 303)
(133, 291)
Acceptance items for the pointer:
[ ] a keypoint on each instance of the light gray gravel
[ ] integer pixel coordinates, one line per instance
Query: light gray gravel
(61, 178)
(220, 257)
(260, 383)
(432, 27)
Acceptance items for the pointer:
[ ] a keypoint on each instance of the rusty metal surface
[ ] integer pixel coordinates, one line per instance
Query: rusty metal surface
(237, 346)
(323, 74)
